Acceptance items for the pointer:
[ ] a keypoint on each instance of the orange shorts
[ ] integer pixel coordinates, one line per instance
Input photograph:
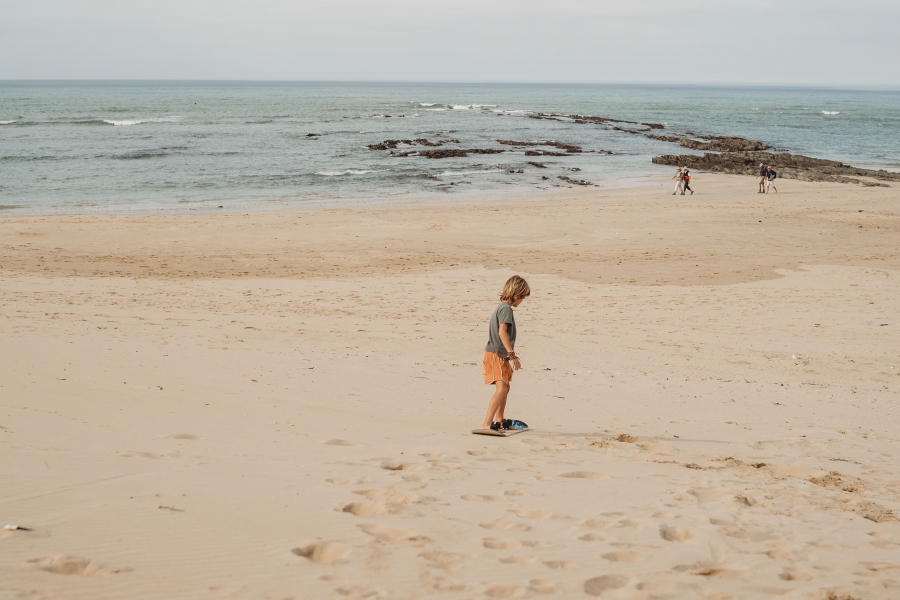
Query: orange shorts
(495, 368)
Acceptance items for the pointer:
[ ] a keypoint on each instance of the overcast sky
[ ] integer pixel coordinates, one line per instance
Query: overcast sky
(806, 42)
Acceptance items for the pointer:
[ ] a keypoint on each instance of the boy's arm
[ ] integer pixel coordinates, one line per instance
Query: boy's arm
(504, 337)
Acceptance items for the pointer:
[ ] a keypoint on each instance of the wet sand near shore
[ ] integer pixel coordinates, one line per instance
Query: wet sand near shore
(278, 404)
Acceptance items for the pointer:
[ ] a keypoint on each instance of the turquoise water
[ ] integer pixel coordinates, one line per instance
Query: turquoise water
(145, 146)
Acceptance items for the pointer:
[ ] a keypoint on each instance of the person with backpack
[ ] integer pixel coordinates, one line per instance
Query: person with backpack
(686, 177)
(761, 180)
(770, 180)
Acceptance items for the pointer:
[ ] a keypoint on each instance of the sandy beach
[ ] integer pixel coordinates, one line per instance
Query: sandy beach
(278, 405)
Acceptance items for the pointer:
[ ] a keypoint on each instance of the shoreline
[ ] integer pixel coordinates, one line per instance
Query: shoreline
(336, 201)
(212, 244)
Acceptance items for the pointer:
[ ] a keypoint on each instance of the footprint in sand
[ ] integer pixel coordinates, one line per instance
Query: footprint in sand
(399, 466)
(595, 524)
(476, 453)
(595, 537)
(623, 556)
(714, 570)
(501, 525)
(323, 552)
(442, 560)
(366, 509)
(387, 534)
(71, 565)
(517, 559)
(562, 564)
(183, 436)
(415, 477)
(633, 522)
(673, 533)
(495, 544)
(482, 498)
(584, 475)
(532, 514)
(389, 496)
(339, 481)
(338, 443)
(885, 540)
(442, 584)
(663, 587)
(795, 574)
(542, 587)
(604, 583)
(505, 591)
(357, 592)
(516, 493)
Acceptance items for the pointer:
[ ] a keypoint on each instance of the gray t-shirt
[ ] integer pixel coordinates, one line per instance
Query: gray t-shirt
(502, 314)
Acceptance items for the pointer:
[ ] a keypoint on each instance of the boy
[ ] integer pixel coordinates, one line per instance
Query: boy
(500, 358)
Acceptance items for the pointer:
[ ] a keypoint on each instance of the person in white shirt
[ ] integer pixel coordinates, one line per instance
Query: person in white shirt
(679, 182)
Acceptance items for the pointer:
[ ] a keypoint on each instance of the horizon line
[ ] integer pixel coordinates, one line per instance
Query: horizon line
(818, 86)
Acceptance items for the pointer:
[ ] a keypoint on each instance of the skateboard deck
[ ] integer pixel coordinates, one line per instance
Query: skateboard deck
(507, 433)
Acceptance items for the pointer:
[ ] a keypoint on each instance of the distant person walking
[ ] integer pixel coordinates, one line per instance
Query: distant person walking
(679, 182)
(770, 180)
(763, 177)
(686, 177)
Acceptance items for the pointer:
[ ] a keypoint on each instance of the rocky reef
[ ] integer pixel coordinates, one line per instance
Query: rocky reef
(584, 119)
(788, 166)
(574, 181)
(572, 148)
(724, 144)
(391, 144)
(457, 152)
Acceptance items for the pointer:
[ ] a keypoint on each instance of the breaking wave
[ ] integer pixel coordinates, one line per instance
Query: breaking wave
(831, 112)
(461, 173)
(127, 122)
(347, 172)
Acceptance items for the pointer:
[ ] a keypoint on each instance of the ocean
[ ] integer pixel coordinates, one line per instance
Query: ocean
(121, 147)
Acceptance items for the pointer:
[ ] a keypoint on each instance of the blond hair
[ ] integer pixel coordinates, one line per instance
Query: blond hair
(515, 288)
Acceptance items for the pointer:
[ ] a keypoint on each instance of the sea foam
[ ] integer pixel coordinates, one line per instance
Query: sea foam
(831, 112)
(6, 122)
(472, 106)
(461, 173)
(347, 172)
(126, 123)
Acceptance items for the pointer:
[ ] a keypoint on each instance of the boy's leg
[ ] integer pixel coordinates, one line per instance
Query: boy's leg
(501, 409)
(497, 403)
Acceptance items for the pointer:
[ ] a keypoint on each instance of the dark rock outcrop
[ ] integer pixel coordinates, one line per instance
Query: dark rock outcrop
(788, 166)
(723, 144)
(537, 164)
(457, 152)
(392, 144)
(544, 153)
(664, 138)
(574, 181)
(562, 146)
